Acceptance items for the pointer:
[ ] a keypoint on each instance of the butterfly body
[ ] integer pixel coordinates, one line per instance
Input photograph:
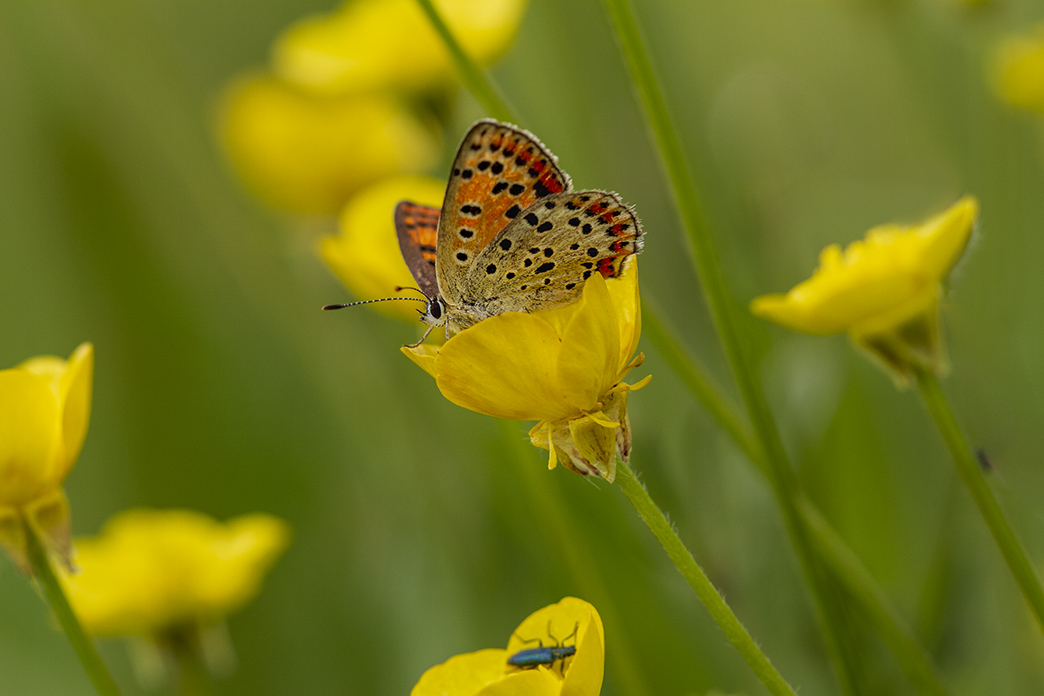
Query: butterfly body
(512, 235)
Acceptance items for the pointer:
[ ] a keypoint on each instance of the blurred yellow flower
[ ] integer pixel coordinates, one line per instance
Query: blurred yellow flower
(380, 44)
(883, 290)
(1018, 70)
(45, 406)
(309, 154)
(562, 367)
(163, 573)
(365, 255)
(571, 622)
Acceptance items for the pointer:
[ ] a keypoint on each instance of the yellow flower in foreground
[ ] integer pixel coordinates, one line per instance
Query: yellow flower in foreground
(45, 406)
(571, 622)
(884, 290)
(379, 44)
(1018, 70)
(365, 255)
(562, 367)
(170, 573)
(309, 154)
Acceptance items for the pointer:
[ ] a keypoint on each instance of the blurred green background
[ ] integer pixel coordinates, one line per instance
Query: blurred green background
(422, 530)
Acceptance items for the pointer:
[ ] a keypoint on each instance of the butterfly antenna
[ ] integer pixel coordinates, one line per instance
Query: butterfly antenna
(362, 302)
(400, 288)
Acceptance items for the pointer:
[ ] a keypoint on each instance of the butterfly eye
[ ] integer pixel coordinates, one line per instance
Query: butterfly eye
(435, 308)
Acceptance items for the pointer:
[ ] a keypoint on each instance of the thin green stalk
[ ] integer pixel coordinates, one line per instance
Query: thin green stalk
(781, 474)
(471, 74)
(857, 581)
(81, 643)
(697, 579)
(554, 514)
(193, 677)
(832, 549)
(975, 482)
(694, 375)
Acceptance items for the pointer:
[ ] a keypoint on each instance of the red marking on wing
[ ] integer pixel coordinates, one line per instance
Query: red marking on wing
(609, 267)
(551, 182)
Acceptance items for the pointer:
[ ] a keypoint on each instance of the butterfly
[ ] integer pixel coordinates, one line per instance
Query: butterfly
(512, 235)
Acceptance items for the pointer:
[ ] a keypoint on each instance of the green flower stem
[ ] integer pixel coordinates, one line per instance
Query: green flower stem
(858, 582)
(81, 643)
(842, 561)
(471, 74)
(554, 514)
(975, 481)
(781, 474)
(193, 677)
(697, 579)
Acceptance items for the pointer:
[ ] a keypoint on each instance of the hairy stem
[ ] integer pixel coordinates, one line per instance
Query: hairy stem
(697, 579)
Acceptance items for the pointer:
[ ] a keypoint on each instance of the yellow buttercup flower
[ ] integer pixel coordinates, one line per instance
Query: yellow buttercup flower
(1018, 70)
(170, 573)
(365, 255)
(380, 44)
(45, 406)
(309, 154)
(883, 291)
(562, 367)
(570, 623)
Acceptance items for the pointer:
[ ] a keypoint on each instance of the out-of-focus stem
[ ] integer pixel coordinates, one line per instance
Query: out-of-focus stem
(81, 642)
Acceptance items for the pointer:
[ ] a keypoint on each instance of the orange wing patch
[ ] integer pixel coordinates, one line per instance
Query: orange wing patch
(498, 172)
(417, 229)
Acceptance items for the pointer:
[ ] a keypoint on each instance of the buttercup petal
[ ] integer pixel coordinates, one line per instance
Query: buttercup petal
(365, 255)
(30, 436)
(1018, 70)
(309, 154)
(505, 366)
(584, 676)
(423, 355)
(947, 236)
(532, 682)
(153, 570)
(75, 397)
(380, 44)
(589, 361)
(887, 277)
(627, 304)
(253, 542)
(463, 675)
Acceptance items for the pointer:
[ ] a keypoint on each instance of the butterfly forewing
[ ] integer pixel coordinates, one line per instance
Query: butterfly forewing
(499, 172)
(542, 258)
(416, 226)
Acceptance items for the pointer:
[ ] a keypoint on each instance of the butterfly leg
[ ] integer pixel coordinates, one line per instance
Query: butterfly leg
(414, 345)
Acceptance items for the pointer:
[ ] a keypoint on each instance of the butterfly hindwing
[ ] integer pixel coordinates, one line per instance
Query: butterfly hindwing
(499, 171)
(416, 226)
(542, 258)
